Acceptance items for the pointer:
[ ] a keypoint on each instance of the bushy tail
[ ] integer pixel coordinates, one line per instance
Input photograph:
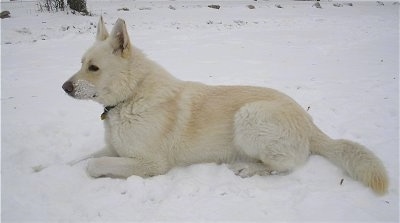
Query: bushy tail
(360, 163)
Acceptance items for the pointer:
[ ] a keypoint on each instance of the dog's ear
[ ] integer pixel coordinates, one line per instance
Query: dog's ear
(120, 39)
(102, 33)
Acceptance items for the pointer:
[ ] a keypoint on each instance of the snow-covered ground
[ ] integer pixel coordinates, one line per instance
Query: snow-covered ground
(339, 63)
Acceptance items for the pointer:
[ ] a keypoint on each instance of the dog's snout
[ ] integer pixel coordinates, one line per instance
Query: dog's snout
(68, 87)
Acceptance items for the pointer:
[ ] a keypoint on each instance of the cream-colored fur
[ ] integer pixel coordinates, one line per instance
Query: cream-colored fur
(159, 122)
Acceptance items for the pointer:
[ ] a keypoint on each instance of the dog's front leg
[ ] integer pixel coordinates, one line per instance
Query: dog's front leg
(107, 151)
(123, 167)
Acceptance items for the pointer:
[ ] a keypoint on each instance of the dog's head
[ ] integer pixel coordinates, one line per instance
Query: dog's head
(105, 73)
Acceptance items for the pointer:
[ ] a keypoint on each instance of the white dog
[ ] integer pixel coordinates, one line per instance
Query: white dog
(154, 122)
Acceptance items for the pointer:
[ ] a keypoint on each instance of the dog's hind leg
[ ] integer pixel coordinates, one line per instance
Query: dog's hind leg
(124, 167)
(274, 133)
(248, 169)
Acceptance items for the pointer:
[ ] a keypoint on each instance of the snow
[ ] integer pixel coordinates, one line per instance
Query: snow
(339, 63)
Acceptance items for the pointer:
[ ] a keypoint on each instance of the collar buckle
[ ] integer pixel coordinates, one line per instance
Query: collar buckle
(103, 116)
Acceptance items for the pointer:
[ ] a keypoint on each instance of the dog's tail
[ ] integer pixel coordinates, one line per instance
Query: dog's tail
(360, 163)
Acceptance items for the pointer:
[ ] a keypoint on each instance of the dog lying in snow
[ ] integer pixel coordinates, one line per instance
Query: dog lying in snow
(154, 122)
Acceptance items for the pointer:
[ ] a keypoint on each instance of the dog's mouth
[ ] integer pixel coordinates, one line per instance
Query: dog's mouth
(80, 89)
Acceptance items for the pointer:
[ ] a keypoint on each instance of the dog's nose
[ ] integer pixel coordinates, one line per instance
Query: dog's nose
(68, 87)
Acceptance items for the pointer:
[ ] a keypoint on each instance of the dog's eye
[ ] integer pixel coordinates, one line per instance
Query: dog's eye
(93, 68)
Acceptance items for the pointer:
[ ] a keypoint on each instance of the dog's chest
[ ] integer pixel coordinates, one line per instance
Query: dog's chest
(131, 133)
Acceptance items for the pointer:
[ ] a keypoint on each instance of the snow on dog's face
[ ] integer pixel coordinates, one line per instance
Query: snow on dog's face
(104, 75)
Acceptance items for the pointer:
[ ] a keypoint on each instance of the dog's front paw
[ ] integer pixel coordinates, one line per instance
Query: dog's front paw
(94, 168)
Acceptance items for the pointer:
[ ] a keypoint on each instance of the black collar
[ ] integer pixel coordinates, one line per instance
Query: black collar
(106, 110)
